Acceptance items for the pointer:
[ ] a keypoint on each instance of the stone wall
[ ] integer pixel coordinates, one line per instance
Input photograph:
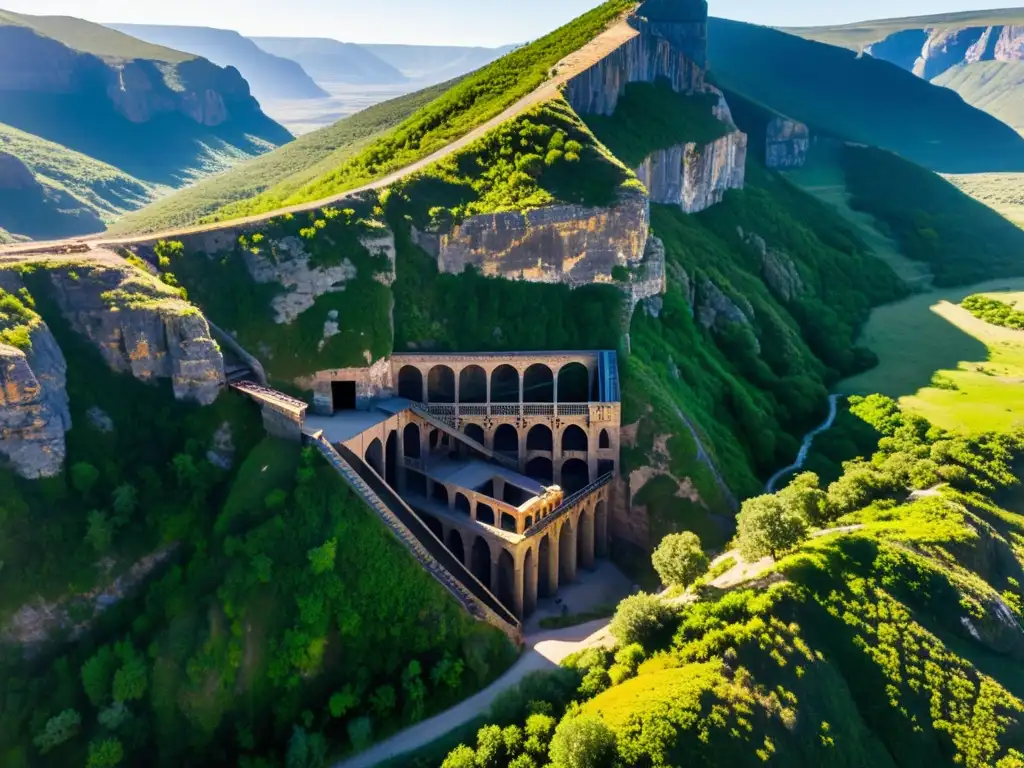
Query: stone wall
(693, 176)
(34, 413)
(787, 143)
(570, 244)
(372, 383)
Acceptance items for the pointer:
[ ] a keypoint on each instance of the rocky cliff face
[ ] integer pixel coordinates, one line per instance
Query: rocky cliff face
(138, 89)
(787, 143)
(142, 327)
(570, 244)
(693, 176)
(930, 52)
(34, 413)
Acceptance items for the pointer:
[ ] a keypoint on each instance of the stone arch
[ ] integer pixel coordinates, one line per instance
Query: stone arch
(604, 442)
(473, 384)
(545, 586)
(375, 456)
(391, 459)
(575, 476)
(541, 469)
(410, 383)
(455, 545)
(507, 580)
(441, 385)
(415, 482)
(505, 385)
(508, 522)
(411, 441)
(441, 494)
(529, 583)
(480, 563)
(605, 467)
(567, 553)
(575, 439)
(539, 438)
(506, 441)
(528, 523)
(462, 505)
(601, 529)
(574, 383)
(485, 514)
(476, 432)
(538, 384)
(585, 539)
(434, 525)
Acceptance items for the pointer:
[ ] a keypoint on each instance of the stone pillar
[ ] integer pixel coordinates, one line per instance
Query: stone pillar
(553, 570)
(458, 381)
(425, 377)
(588, 531)
(472, 508)
(531, 577)
(495, 574)
(601, 528)
(518, 592)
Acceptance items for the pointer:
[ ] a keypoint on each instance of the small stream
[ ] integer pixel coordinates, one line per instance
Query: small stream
(805, 449)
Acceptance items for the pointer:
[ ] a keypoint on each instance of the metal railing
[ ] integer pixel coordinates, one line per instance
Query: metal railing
(449, 428)
(407, 526)
(568, 503)
(287, 403)
(451, 413)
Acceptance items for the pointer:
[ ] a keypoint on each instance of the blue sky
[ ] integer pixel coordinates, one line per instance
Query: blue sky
(447, 22)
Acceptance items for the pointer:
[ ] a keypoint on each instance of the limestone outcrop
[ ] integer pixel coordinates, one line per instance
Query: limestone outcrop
(571, 244)
(787, 143)
(929, 53)
(648, 280)
(777, 268)
(715, 309)
(286, 261)
(142, 327)
(695, 177)
(34, 413)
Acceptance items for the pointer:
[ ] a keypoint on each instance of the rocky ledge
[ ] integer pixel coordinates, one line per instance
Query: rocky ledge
(787, 143)
(142, 327)
(695, 177)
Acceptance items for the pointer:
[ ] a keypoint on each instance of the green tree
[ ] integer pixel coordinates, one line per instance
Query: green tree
(583, 741)
(767, 527)
(98, 676)
(105, 754)
(343, 701)
(680, 559)
(539, 730)
(360, 733)
(639, 619)
(126, 501)
(84, 477)
(114, 716)
(460, 757)
(383, 701)
(132, 679)
(804, 495)
(100, 532)
(305, 750)
(58, 730)
(322, 559)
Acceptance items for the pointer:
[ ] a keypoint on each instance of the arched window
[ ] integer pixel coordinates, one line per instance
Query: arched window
(506, 441)
(441, 385)
(575, 439)
(411, 441)
(574, 384)
(604, 441)
(505, 385)
(538, 384)
(575, 476)
(410, 383)
(375, 457)
(539, 438)
(473, 385)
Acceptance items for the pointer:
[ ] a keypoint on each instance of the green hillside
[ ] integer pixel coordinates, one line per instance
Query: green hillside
(860, 99)
(997, 87)
(475, 100)
(281, 172)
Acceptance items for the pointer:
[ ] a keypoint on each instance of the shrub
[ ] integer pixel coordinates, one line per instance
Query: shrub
(680, 559)
(105, 754)
(640, 619)
(583, 741)
(59, 729)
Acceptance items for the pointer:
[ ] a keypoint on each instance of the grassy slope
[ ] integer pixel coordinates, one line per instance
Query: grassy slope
(857, 36)
(997, 87)
(478, 98)
(281, 172)
(1002, 192)
(860, 99)
(96, 39)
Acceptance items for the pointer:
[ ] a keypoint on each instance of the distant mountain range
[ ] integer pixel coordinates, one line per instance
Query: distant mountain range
(978, 54)
(330, 61)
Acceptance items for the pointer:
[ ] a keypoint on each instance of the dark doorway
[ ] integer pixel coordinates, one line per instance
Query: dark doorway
(343, 395)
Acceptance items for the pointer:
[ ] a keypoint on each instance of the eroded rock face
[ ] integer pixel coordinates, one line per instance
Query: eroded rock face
(570, 244)
(648, 281)
(929, 53)
(777, 268)
(288, 263)
(34, 413)
(787, 143)
(696, 177)
(143, 328)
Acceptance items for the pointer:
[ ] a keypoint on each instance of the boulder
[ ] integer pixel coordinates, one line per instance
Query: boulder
(787, 143)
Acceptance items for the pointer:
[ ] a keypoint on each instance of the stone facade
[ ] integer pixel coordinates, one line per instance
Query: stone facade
(374, 382)
(570, 244)
(695, 177)
(787, 143)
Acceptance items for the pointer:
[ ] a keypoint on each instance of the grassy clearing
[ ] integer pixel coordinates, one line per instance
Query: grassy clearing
(927, 340)
(1002, 192)
(478, 98)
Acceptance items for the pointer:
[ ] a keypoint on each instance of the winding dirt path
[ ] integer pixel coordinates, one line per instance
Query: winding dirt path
(568, 68)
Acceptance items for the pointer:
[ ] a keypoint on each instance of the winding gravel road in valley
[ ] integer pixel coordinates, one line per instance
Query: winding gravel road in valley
(568, 68)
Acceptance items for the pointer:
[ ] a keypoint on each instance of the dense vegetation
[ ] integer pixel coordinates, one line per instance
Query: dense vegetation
(994, 311)
(544, 156)
(349, 325)
(860, 99)
(892, 644)
(278, 173)
(478, 98)
(281, 618)
(17, 319)
(650, 117)
(960, 239)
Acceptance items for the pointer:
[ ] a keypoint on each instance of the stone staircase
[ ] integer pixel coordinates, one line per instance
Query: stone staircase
(416, 537)
(451, 429)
